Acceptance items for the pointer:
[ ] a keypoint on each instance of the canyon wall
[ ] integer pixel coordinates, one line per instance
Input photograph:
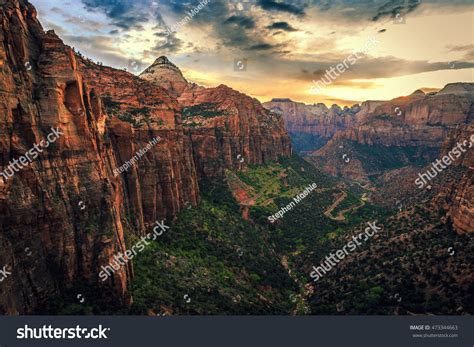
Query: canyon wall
(48, 241)
(416, 120)
(459, 195)
(227, 129)
(311, 126)
(313, 119)
(68, 212)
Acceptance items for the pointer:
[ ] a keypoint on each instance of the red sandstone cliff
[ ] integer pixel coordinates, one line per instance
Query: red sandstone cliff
(459, 195)
(163, 182)
(66, 214)
(314, 119)
(414, 120)
(46, 239)
(227, 129)
(419, 121)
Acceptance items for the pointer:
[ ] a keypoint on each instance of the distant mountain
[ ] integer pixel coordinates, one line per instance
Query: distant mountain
(391, 142)
(311, 126)
(405, 130)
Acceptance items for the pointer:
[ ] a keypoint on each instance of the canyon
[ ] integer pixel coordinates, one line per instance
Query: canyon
(408, 131)
(67, 208)
(223, 161)
(314, 124)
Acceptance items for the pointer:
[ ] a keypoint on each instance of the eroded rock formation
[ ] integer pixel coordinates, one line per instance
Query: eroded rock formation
(459, 196)
(227, 129)
(67, 213)
(47, 239)
(314, 119)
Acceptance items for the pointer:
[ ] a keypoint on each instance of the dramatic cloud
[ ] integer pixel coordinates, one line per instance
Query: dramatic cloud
(270, 5)
(260, 47)
(241, 21)
(124, 13)
(468, 51)
(287, 43)
(396, 8)
(281, 25)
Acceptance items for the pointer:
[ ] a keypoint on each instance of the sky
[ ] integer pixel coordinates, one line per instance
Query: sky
(280, 49)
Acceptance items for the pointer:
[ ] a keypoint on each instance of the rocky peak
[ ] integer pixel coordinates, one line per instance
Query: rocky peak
(336, 108)
(281, 100)
(418, 92)
(458, 88)
(167, 75)
(164, 61)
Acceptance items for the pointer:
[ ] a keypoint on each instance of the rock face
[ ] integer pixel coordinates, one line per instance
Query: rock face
(314, 119)
(238, 132)
(408, 131)
(459, 196)
(404, 130)
(60, 215)
(227, 129)
(167, 75)
(66, 214)
(414, 120)
(164, 181)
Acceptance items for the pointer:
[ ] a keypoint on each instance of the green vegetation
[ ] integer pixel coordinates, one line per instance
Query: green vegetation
(378, 157)
(110, 105)
(383, 117)
(200, 254)
(135, 116)
(228, 265)
(351, 200)
(406, 261)
(127, 117)
(224, 264)
(204, 110)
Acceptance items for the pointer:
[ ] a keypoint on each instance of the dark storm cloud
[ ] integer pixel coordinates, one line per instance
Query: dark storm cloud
(260, 47)
(242, 30)
(167, 44)
(237, 31)
(394, 7)
(363, 10)
(270, 5)
(214, 11)
(124, 14)
(242, 21)
(281, 25)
